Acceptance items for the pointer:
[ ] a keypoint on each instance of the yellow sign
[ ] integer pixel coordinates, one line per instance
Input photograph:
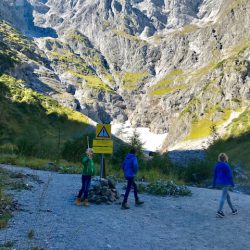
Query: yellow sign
(103, 150)
(103, 131)
(102, 143)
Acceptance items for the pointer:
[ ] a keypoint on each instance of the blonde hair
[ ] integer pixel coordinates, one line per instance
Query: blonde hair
(89, 150)
(223, 157)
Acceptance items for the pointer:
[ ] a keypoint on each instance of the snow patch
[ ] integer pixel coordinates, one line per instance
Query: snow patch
(152, 141)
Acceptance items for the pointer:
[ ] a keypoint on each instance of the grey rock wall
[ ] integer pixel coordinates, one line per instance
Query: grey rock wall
(193, 55)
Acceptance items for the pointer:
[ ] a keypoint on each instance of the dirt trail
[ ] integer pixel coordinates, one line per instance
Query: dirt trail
(162, 223)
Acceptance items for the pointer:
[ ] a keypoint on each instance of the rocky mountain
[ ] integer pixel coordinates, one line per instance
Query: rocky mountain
(179, 67)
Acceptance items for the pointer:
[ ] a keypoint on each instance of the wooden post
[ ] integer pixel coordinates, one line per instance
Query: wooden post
(104, 168)
(101, 169)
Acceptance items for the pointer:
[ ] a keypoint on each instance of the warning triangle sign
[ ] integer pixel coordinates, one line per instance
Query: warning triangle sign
(103, 133)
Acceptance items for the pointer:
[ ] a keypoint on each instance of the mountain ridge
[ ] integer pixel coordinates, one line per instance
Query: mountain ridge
(119, 60)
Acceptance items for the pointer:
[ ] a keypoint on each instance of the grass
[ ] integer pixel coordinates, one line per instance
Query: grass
(131, 80)
(147, 173)
(6, 216)
(241, 124)
(41, 135)
(66, 59)
(187, 29)
(14, 37)
(15, 47)
(109, 78)
(132, 38)
(18, 94)
(165, 86)
(89, 61)
(182, 79)
(232, 5)
(96, 83)
(31, 234)
(93, 81)
(164, 91)
(236, 147)
(6, 245)
(202, 128)
(8, 180)
(75, 35)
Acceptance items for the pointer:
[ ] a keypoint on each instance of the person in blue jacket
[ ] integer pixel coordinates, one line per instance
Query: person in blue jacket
(223, 178)
(130, 168)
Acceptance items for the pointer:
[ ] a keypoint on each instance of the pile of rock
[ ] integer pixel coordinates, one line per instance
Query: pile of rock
(103, 191)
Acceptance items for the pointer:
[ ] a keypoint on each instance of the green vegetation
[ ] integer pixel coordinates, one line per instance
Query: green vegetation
(93, 81)
(163, 188)
(96, 83)
(202, 127)
(14, 38)
(31, 234)
(124, 34)
(168, 90)
(236, 145)
(237, 148)
(109, 78)
(15, 47)
(200, 73)
(37, 248)
(232, 5)
(241, 124)
(164, 86)
(83, 66)
(7, 245)
(190, 28)
(240, 48)
(11, 181)
(41, 135)
(76, 36)
(67, 59)
(131, 80)
(232, 63)
(8, 58)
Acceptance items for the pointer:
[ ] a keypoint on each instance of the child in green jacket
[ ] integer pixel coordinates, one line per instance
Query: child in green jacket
(88, 170)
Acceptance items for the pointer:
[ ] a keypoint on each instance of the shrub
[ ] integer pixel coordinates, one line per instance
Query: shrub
(197, 171)
(166, 188)
(74, 149)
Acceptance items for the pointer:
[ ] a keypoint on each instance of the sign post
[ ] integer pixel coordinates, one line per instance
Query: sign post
(103, 144)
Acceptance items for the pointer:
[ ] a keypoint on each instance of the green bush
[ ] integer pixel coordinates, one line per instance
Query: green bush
(162, 187)
(8, 148)
(31, 143)
(74, 149)
(197, 171)
(160, 163)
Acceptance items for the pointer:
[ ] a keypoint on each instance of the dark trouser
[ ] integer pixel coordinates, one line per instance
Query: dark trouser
(129, 184)
(85, 186)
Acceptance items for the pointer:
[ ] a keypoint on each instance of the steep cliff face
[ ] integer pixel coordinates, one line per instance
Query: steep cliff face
(177, 66)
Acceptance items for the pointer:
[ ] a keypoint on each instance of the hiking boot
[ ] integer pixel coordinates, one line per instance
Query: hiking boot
(220, 214)
(125, 206)
(78, 201)
(138, 202)
(235, 211)
(86, 203)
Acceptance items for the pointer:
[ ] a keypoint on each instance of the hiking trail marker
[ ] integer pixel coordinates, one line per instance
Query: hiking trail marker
(103, 144)
(103, 131)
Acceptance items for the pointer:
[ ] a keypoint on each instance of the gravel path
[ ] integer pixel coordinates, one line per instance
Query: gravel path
(161, 223)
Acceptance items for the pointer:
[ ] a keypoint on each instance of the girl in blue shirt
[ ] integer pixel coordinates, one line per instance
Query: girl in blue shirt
(223, 178)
